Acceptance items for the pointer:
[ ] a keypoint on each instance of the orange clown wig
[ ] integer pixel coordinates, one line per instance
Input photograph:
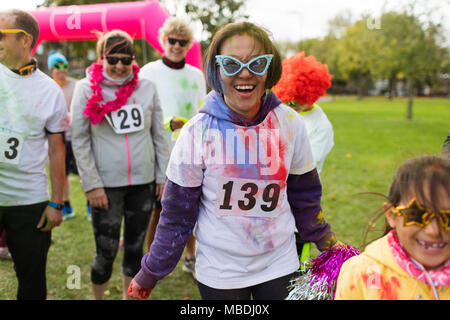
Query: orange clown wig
(303, 80)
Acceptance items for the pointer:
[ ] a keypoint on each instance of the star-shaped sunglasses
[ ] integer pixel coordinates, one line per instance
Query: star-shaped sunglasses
(415, 214)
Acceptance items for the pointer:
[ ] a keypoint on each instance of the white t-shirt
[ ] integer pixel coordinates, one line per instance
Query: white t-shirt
(29, 106)
(320, 133)
(181, 91)
(245, 229)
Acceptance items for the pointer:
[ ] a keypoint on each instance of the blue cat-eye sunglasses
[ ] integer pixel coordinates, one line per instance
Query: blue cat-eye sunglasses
(232, 66)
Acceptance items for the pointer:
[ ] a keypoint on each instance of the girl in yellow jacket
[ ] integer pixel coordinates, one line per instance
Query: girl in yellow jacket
(412, 260)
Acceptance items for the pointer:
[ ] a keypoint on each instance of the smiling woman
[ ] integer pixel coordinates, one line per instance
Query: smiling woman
(246, 208)
(119, 142)
(243, 88)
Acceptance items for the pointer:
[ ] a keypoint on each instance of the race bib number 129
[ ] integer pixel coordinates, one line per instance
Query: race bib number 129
(129, 118)
(10, 147)
(244, 197)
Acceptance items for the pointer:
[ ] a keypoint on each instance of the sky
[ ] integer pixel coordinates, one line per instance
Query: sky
(300, 19)
(293, 20)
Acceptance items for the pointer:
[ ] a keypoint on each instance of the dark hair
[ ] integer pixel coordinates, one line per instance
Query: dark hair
(240, 28)
(115, 41)
(25, 21)
(422, 177)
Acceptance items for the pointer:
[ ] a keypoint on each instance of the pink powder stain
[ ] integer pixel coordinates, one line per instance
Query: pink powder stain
(254, 171)
(272, 124)
(387, 289)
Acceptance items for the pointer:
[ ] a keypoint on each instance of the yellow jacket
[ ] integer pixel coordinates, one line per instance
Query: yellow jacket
(375, 275)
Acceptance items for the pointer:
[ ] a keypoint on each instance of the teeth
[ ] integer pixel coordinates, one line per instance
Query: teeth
(434, 245)
(244, 87)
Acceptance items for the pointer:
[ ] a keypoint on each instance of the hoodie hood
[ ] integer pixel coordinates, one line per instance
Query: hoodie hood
(215, 106)
(380, 251)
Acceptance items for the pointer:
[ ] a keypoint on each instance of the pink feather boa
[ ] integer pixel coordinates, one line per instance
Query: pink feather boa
(96, 112)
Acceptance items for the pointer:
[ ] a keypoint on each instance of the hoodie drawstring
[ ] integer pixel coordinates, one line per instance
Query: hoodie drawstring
(429, 280)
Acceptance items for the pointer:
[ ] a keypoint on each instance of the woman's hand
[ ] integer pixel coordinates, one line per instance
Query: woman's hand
(176, 124)
(337, 245)
(97, 198)
(136, 291)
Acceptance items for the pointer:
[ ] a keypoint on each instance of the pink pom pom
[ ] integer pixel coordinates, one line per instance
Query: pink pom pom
(326, 267)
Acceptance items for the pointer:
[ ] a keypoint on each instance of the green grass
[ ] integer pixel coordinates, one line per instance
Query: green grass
(372, 137)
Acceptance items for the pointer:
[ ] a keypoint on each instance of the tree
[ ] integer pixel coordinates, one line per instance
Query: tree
(213, 14)
(408, 47)
(326, 49)
(357, 54)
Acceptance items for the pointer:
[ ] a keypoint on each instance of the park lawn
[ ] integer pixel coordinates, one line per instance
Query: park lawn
(372, 137)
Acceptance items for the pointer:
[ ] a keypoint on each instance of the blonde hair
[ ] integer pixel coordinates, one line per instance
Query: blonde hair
(177, 27)
(114, 41)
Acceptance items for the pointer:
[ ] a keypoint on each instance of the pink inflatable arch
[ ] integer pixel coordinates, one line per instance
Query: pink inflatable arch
(75, 23)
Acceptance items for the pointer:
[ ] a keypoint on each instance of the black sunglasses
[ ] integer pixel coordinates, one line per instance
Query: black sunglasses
(126, 61)
(173, 41)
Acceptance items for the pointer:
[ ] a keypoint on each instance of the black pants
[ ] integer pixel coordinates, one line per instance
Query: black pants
(71, 165)
(134, 204)
(276, 289)
(29, 247)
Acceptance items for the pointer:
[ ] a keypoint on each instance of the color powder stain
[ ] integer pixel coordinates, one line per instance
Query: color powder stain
(184, 83)
(258, 233)
(388, 289)
(282, 173)
(290, 115)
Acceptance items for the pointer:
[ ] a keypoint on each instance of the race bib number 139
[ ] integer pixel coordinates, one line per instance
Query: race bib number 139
(10, 147)
(244, 197)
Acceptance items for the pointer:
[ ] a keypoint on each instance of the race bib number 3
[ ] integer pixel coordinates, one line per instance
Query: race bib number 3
(129, 118)
(10, 147)
(244, 197)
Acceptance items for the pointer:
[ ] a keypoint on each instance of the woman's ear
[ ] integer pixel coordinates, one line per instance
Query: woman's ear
(387, 208)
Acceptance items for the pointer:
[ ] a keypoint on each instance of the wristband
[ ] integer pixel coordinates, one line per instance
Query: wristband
(55, 205)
